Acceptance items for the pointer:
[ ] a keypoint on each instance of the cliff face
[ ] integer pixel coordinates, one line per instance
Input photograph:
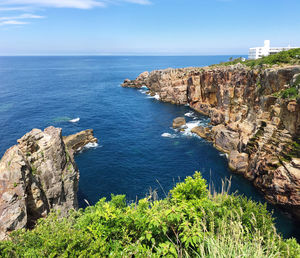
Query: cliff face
(37, 175)
(258, 130)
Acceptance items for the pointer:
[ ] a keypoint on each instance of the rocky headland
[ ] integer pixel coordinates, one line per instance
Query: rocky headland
(255, 113)
(38, 175)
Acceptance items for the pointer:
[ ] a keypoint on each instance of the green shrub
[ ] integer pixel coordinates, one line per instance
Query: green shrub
(190, 222)
(289, 93)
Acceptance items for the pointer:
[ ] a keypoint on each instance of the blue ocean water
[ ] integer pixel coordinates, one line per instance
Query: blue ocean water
(138, 150)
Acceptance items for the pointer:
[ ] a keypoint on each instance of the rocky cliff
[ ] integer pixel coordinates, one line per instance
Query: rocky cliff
(255, 119)
(37, 175)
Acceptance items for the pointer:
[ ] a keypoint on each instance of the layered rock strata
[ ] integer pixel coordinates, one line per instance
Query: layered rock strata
(37, 175)
(76, 142)
(258, 129)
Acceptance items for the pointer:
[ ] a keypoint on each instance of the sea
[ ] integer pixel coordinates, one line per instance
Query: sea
(138, 152)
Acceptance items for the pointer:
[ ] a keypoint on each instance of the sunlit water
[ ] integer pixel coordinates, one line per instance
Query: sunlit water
(138, 150)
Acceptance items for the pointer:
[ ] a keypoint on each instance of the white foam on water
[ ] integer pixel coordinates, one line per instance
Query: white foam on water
(144, 87)
(143, 91)
(189, 126)
(169, 135)
(224, 154)
(91, 145)
(187, 105)
(75, 120)
(156, 96)
(190, 114)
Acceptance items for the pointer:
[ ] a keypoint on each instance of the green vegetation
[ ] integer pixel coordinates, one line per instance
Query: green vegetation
(33, 170)
(252, 144)
(67, 154)
(291, 151)
(190, 222)
(291, 56)
(70, 167)
(290, 93)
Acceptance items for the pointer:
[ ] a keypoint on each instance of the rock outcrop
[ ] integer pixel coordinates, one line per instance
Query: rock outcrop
(203, 132)
(76, 142)
(238, 161)
(253, 123)
(178, 122)
(37, 175)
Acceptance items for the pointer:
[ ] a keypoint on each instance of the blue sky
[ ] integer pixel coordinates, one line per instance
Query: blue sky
(137, 27)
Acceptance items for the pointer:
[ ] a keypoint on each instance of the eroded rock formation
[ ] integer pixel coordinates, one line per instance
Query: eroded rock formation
(258, 129)
(76, 142)
(37, 175)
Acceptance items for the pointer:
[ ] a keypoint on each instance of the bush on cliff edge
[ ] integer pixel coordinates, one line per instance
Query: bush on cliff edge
(190, 222)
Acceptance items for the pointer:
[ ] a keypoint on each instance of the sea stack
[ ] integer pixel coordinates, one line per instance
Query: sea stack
(37, 175)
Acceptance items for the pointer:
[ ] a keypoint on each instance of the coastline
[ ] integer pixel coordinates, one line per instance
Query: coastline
(251, 123)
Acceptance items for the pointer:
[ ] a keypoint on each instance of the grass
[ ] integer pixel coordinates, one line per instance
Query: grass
(189, 222)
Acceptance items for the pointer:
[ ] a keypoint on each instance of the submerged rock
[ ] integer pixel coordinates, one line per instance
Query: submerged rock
(37, 175)
(179, 122)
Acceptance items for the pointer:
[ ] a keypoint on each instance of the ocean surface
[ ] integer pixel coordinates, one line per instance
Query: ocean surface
(138, 150)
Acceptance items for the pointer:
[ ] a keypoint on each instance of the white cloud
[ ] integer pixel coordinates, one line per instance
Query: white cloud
(9, 9)
(79, 4)
(12, 22)
(22, 16)
(23, 5)
(143, 2)
(18, 20)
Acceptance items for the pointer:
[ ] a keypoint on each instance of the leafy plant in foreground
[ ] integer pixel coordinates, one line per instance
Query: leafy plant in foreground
(190, 222)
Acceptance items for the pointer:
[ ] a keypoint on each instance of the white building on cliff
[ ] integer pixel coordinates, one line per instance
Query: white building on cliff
(258, 52)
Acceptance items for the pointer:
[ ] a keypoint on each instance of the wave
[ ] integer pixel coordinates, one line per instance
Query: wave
(144, 87)
(169, 135)
(190, 114)
(189, 126)
(75, 120)
(91, 145)
(156, 96)
(224, 155)
(143, 91)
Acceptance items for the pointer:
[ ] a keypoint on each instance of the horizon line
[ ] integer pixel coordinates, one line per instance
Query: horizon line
(137, 55)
